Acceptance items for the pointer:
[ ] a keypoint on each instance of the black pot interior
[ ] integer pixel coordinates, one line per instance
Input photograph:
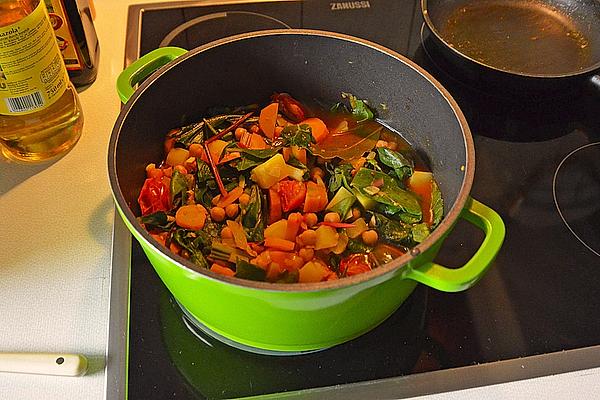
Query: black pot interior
(251, 69)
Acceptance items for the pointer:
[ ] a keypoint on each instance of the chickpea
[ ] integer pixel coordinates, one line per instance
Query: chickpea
(239, 132)
(244, 199)
(316, 171)
(369, 237)
(226, 233)
(217, 214)
(310, 219)
(308, 238)
(294, 262)
(306, 254)
(232, 210)
(356, 214)
(332, 217)
(196, 150)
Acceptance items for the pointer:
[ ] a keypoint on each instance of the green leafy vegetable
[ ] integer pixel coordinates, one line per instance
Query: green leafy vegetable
(204, 183)
(419, 232)
(245, 270)
(179, 188)
(402, 166)
(357, 246)
(340, 175)
(250, 158)
(289, 277)
(156, 221)
(390, 231)
(388, 193)
(296, 135)
(186, 239)
(252, 215)
(360, 109)
(193, 133)
(341, 202)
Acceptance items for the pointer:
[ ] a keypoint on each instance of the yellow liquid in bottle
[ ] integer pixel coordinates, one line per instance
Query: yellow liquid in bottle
(43, 134)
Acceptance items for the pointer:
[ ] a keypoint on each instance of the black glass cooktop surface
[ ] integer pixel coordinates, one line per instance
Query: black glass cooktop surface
(537, 165)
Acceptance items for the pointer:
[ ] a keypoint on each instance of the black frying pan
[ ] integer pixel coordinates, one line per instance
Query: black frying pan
(523, 46)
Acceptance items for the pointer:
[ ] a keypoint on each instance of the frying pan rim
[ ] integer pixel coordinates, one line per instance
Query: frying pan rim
(592, 69)
(374, 276)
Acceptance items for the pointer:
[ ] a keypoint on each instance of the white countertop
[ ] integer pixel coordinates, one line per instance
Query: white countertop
(56, 254)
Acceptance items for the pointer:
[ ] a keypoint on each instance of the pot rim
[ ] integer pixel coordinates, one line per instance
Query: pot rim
(372, 277)
(574, 74)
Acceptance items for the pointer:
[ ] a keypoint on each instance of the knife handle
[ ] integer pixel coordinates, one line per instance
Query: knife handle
(44, 363)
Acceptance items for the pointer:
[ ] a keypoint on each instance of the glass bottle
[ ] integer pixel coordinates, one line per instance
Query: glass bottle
(40, 114)
(74, 29)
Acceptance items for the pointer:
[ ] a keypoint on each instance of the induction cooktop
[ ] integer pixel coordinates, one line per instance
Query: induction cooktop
(535, 312)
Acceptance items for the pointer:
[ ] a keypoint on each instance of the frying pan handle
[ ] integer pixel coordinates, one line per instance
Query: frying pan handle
(456, 280)
(144, 66)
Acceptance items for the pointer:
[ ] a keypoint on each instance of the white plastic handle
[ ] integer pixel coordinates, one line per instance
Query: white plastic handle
(44, 363)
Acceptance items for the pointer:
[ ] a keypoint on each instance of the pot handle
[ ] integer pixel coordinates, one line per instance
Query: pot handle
(143, 67)
(458, 279)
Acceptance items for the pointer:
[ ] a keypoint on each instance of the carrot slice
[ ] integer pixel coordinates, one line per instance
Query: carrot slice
(275, 211)
(219, 269)
(191, 216)
(232, 196)
(293, 225)
(268, 119)
(299, 153)
(279, 244)
(318, 128)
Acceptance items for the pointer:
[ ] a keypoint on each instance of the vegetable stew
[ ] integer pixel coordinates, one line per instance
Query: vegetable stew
(289, 192)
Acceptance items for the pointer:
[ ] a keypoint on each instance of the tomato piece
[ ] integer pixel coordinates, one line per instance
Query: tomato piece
(275, 213)
(292, 194)
(154, 196)
(355, 264)
(316, 197)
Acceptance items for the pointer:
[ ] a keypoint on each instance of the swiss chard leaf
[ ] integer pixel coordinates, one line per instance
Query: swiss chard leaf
(395, 199)
(357, 246)
(297, 135)
(419, 232)
(360, 109)
(205, 182)
(157, 221)
(250, 158)
(252, 215)
(245, 270)
(179, 188)
(193, 133)
(340, 175)
(400, 164)
(289, 276)
(261, 154)
(391, 231)
(186, 239)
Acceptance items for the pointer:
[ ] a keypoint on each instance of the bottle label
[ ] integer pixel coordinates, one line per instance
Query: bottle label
(32, 72)
(64, 34)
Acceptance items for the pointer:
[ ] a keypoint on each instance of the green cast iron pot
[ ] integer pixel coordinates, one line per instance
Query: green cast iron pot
(179, 86)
